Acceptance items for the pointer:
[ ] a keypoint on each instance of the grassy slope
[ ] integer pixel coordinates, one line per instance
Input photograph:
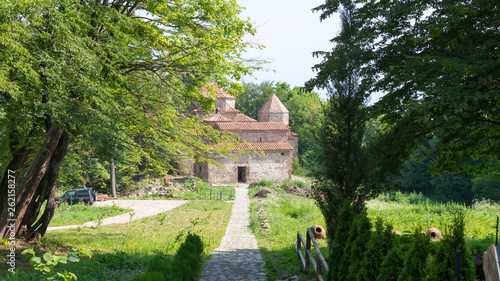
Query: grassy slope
(122, 250)
(286, 215)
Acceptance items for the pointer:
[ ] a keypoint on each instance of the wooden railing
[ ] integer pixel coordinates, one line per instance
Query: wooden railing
(317, 262)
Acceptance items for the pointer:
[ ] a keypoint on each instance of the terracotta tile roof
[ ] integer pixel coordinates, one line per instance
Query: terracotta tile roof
(274, 105)
(251, 126)
(218, 90)
(217, 118)
(244, 118)
(231, 110)
(259, 146)
(293, 135)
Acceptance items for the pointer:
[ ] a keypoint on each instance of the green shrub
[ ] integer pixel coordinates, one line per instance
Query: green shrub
(189, 195)
(416, 258)
(405, 198)
(287, 182)
(443, 264)
(161, 264)
(393, 263)
(381, 241)
(300, 184)
(297, 168)
(345, 260)
(339, 242)
(149, 276)
(266, 183)
(358, 247)
(192, 182)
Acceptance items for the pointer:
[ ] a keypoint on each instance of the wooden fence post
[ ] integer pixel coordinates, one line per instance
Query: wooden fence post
(308, 247)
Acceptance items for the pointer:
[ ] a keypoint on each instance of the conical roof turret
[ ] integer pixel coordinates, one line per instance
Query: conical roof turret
(273, 105)
(273, 111)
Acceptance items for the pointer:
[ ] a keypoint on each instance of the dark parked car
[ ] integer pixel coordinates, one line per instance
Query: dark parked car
(73, 196)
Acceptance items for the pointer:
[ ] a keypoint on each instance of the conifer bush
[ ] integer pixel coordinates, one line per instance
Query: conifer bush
(394, 261)
(416, 258)
(359, 244)
(443, 264)
(381, 241)
(346, 256)
(344, 219)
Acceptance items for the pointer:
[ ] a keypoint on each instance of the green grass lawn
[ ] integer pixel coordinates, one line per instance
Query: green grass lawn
(119, 251)
(80, 213)
(287, 214)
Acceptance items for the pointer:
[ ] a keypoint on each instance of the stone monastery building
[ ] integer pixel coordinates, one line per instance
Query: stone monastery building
(270, 135)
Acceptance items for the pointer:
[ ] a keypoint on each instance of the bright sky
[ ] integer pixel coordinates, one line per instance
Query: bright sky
(291, 32)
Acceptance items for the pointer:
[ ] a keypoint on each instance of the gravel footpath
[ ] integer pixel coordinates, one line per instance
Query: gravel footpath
(142, 208)
(238, 257)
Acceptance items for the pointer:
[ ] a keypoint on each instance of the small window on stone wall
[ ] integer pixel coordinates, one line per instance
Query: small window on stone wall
(216, 111)
(261, 139)
(282, 153)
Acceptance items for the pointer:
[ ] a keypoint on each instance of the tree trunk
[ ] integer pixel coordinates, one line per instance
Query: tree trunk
(87, 169)
(16, 165)
(33, 178)
(46, 191)
(113, 186)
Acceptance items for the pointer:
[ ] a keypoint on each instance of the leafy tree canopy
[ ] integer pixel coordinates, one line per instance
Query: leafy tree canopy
(116, 73)
(437, 62)
(108, 76)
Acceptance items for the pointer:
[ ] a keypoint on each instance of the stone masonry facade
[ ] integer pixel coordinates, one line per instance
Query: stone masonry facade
(274, 146)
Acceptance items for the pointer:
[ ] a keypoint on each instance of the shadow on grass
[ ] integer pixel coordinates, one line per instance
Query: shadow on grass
(101, 266)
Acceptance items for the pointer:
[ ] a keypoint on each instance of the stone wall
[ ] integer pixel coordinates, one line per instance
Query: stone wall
(274, 117)
(274, 165)
(222, 105)
(295, 144)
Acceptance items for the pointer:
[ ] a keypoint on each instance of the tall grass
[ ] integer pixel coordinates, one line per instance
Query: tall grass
(410, 211)
(288, 214)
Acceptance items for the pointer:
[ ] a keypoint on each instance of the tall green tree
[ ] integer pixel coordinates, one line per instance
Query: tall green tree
(344, 157)
(253, 97)
(437, 62)
(113, 72)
